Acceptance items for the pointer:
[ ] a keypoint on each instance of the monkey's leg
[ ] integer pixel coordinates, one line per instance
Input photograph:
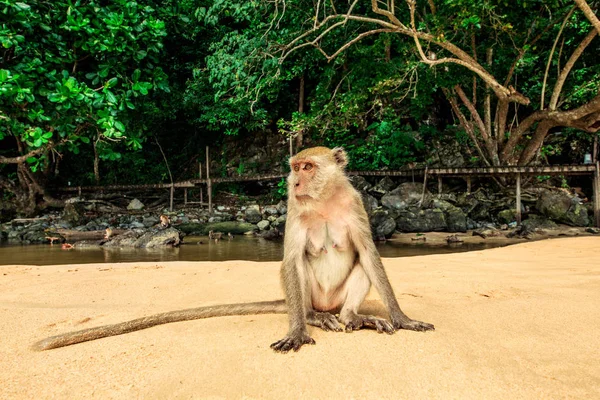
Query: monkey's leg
(323, 320)
(357, 287)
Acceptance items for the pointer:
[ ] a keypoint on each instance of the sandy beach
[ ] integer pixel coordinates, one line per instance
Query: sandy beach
(521, 321)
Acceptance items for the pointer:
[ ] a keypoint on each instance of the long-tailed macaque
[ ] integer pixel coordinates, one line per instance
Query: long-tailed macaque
(329, 264)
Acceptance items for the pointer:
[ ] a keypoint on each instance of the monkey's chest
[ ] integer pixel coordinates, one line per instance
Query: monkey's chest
(330, 255)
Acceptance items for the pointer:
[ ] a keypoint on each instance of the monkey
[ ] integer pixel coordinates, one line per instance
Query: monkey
(66, 246)
(108, 233)
(216, 236)
(52, 239)
(329, 264)
(229, 236)
(165, 222)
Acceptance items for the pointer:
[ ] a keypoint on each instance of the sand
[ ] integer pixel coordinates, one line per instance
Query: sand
(515, 322)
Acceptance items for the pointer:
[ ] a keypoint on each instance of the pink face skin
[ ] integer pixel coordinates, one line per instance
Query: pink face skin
(304, 171)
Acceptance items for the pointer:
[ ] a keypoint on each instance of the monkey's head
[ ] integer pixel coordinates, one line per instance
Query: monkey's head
(316, 172)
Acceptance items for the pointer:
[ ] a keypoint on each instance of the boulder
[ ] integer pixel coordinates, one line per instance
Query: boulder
(382, 187)
(360, 183)
(535, 223)
(560, 206)
(382, 224)
(404, 196)
(263, 225)
(369, 202)
(507, 216)
(253, 214)
(414, 220)
(135, 205)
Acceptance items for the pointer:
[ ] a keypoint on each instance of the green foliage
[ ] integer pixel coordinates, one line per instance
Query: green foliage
(74, 72)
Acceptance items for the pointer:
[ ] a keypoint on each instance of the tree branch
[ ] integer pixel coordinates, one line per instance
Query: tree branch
(560, 31)
(32, 153)
(589, 14)
(568, 66)
(465, 124)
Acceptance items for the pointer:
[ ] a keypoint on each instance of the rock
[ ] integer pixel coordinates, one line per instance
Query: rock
(34, 237)
(360, 183)
(271, 210)
(369, 202)
(382, 224)
(507, 216)
(595, 231)
(236, 228)
(169, 237)
(446, 155)
(137, 225)
(382, 187)
(560, 206)
(456, 220)
(404, 196)
(486, 232)
(253, 214)
(263, 225)
(282, 207)
(215, 219)
(150, 221)
(577, 215)
(534, 223)
(135, 205)
(271, 234)
(74, 212)
(414, 220)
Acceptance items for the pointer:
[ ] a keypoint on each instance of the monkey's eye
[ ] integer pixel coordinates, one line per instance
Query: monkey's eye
(308, 166)
(296, 168)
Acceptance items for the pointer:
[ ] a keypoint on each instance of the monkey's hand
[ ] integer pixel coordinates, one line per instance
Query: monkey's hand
(292, 341)
(412, 325)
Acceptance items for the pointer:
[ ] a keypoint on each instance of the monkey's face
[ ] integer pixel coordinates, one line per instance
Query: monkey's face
(302, 180)
(314, 172)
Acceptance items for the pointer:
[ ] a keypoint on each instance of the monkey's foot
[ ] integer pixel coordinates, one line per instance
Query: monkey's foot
(292, 342)
(323, 320)
(357, 322)
(414, 325)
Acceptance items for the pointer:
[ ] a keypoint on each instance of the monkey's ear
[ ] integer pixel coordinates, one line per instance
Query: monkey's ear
(340, 156)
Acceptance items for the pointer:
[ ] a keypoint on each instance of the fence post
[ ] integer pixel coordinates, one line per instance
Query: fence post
(518, 206)
(208, 182)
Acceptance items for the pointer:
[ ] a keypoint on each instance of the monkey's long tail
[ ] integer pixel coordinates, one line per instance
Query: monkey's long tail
(66, 339)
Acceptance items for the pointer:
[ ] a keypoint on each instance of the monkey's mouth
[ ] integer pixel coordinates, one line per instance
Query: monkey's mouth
(303, 197)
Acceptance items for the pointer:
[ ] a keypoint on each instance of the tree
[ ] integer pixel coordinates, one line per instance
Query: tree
(521, 41)
(71, 74)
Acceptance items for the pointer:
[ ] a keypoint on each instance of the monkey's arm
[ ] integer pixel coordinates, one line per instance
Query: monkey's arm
(293, 281)
(370, 260)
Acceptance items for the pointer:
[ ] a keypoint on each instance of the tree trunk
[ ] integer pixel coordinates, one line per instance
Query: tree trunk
(96, 163)
(536, 142)
(300, 134)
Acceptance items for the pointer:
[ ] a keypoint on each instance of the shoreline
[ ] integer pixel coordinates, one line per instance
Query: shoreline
(514, 322)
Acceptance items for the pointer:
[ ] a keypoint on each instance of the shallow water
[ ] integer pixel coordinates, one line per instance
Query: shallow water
(240, 248)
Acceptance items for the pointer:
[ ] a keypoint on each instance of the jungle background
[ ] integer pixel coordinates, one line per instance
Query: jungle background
(124, 92)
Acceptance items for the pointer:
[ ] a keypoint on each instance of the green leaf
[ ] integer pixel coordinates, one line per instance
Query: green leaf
(111, 82)
(119, 125)
(110, 97)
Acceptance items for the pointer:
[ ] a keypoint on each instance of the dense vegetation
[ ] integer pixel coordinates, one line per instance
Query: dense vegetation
(96, 91)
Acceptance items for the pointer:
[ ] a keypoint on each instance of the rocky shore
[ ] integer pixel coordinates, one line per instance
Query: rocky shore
(393, 208)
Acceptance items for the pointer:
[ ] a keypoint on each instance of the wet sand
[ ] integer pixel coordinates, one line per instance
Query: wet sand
(515, 322)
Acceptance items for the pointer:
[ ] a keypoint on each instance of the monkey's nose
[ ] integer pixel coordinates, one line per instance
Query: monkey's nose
(297, 184)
